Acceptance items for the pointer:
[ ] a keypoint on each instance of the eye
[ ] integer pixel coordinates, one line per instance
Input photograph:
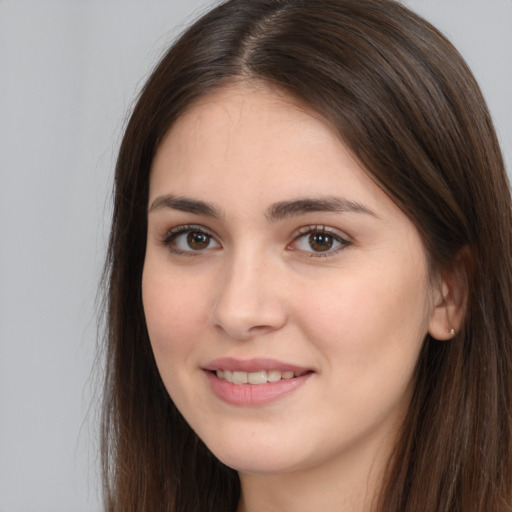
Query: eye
(190, 239)
(319, 240)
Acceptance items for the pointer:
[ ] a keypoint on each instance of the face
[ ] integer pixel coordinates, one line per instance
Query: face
(286, 296)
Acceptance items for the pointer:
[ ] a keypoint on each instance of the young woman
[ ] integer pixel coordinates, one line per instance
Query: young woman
(309, 272)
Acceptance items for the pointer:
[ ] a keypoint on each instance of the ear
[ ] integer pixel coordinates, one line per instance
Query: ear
(450, 298)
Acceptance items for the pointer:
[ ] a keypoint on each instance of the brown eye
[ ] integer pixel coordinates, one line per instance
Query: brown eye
(198, 241)
(189, 239)
(321, 242)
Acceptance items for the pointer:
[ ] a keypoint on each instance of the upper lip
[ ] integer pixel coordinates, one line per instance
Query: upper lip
(253, 365)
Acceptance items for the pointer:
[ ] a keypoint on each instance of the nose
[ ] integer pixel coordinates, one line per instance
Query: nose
(250, 299)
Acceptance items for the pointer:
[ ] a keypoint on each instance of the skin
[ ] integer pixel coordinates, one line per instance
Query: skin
(354, 315)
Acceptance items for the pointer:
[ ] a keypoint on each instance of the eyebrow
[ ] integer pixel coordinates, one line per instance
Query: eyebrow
(276, 212)
(186, 204)
(297, 207)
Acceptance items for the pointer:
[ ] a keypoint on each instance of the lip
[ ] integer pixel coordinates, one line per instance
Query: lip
(253, 395)
(253, 365)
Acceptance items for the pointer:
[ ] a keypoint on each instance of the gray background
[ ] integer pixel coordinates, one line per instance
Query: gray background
(69, 71)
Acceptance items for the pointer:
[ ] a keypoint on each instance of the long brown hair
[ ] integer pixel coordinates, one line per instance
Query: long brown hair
(403, 100)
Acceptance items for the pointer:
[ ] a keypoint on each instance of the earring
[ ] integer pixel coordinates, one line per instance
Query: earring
(451, 331)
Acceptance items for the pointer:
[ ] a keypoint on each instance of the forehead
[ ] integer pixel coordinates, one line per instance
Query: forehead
(251, 132)
(246, 110)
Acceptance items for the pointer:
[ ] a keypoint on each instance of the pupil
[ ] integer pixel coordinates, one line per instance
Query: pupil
(320, 241)
(198, 241)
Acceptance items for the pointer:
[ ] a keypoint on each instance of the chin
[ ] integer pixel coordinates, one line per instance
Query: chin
(259, 458)
(262, 465)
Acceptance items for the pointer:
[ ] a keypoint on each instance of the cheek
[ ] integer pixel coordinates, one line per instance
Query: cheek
(369, 334)
(174, 316)
(369, 318)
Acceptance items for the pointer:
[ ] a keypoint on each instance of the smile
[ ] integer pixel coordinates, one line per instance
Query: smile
(254, 382)
(256, 378)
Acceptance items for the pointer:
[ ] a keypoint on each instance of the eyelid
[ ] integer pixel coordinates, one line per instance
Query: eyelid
(172, 233)
(340, 237)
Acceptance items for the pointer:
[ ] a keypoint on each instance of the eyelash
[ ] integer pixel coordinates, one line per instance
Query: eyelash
(321, 230)
(172, 235)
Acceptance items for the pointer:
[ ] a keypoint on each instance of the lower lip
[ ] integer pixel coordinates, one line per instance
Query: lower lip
(254, 394)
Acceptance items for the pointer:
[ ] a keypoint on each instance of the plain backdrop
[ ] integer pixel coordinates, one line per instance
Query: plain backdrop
(69, 72)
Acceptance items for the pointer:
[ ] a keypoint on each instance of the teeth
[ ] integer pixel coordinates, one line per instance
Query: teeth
(261, 377)
(240, 377)
(257, 377)
(273, 375)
